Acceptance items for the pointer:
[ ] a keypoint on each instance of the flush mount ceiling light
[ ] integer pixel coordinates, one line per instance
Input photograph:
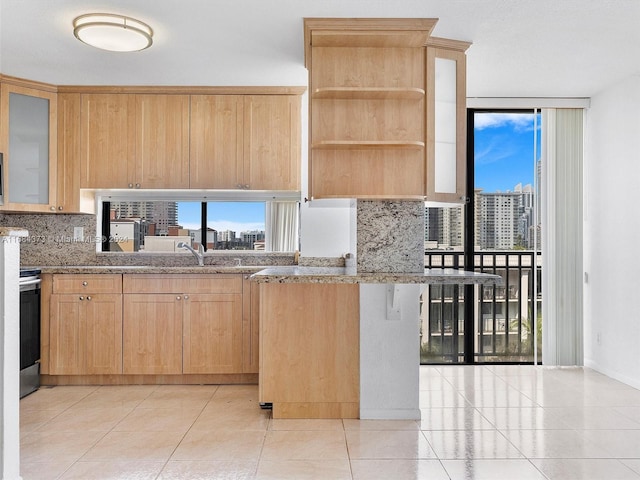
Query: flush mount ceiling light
(115, 33)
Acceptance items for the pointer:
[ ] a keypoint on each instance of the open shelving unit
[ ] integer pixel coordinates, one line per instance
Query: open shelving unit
(375, 95)
(367, 107)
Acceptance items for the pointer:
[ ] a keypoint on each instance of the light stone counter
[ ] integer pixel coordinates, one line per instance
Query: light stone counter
(91, 269)
(295, 274)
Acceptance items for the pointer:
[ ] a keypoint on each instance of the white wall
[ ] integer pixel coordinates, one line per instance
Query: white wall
(327, 227)
(327, 231)
(612, 232)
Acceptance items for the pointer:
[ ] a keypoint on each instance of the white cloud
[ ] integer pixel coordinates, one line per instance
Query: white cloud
(519, 121)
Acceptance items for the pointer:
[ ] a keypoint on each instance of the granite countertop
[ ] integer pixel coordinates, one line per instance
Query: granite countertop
(208, 269)
(295, 274)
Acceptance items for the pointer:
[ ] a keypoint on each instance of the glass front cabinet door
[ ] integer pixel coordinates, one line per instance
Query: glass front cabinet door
(29, 146)
(446, 122)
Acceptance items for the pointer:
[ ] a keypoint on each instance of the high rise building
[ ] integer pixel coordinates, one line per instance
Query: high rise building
(504, 219)
(162, 214)
(444, 226)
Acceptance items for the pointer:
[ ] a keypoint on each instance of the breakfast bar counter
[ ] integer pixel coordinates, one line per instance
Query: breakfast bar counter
(296, 274)
(337, 343)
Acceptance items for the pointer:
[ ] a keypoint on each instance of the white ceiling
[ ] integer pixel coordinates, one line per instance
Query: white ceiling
(521, 48)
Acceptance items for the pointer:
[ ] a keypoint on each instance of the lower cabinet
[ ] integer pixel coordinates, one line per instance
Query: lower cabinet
(212, 333)
(310, 349)
(189, 324)
(148, 324)
(85, 334)
(152, 334)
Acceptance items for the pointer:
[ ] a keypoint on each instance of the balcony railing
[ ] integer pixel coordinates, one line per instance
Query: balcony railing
(503, 315)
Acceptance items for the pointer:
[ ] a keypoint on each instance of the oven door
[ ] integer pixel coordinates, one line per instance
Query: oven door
(29, 334)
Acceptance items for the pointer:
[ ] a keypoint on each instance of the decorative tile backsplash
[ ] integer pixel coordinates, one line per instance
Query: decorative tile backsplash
(50, 240)
(390, 236)
(50, 243)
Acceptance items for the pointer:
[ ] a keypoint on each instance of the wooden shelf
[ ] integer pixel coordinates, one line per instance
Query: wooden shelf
(369, 93)
(374, 144)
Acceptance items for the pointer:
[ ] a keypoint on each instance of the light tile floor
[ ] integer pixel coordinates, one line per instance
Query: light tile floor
(478, 422)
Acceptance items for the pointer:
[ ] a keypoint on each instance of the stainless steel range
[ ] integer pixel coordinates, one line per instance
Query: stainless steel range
(29, 330)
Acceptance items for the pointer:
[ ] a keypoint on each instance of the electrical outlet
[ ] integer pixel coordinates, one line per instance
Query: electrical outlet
(78, 234)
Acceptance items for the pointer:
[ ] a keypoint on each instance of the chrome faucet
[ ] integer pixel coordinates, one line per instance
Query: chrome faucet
(199, 254)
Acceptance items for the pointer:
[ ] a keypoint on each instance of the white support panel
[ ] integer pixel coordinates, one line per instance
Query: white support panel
(389, 352)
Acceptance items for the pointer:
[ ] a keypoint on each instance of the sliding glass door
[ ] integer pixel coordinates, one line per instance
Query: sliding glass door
(497, 231)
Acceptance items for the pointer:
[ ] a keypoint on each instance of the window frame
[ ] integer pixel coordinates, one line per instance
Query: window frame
(203, 197)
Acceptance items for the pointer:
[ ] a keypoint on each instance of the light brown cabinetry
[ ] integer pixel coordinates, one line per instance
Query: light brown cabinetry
(69, 155)
(152, 334)
(162, 141)
(272, 142)
(28, 141)
(212, 333)
(134, 141)
(182, 324)
(245, 142)
(217, 141)
(370, 84)
(132, 328)
(85, 325)
(309, 350)
(250, 326)
(107, 140)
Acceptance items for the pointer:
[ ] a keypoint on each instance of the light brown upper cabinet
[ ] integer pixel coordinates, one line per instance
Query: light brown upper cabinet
(28, 141)
(249, 142)
(107, 140)
(162, 141)
(70, 198)
(216, 141)
(370, 98)
(135, 141)
(272, 142)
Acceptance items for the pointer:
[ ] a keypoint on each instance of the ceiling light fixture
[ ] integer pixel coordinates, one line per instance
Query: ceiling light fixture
(115, 33)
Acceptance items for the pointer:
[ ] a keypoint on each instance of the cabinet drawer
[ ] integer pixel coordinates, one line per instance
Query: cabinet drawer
(80, 283)
(182, 283)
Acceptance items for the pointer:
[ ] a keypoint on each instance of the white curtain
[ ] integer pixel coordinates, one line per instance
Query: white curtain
(562, 232)
(282, 227)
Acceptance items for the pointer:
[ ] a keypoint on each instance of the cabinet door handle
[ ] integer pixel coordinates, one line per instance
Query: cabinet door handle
(130, 185)
(88, 298)
(137, 185)
(246, 186)
(52, 208)
(60, 208)
(84, 284)
(178, 298)
(81, 298)
(186, 297)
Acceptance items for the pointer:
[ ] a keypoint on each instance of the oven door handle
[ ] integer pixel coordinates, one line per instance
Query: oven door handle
(35, 281)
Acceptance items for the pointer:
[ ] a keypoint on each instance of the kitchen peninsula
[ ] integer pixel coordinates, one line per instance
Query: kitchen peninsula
(336, 343)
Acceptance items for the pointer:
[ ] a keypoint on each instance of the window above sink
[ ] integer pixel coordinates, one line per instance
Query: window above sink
(135, 223)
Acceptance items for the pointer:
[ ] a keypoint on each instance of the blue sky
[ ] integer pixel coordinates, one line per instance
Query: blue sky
(235, 216)
(504, 150)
